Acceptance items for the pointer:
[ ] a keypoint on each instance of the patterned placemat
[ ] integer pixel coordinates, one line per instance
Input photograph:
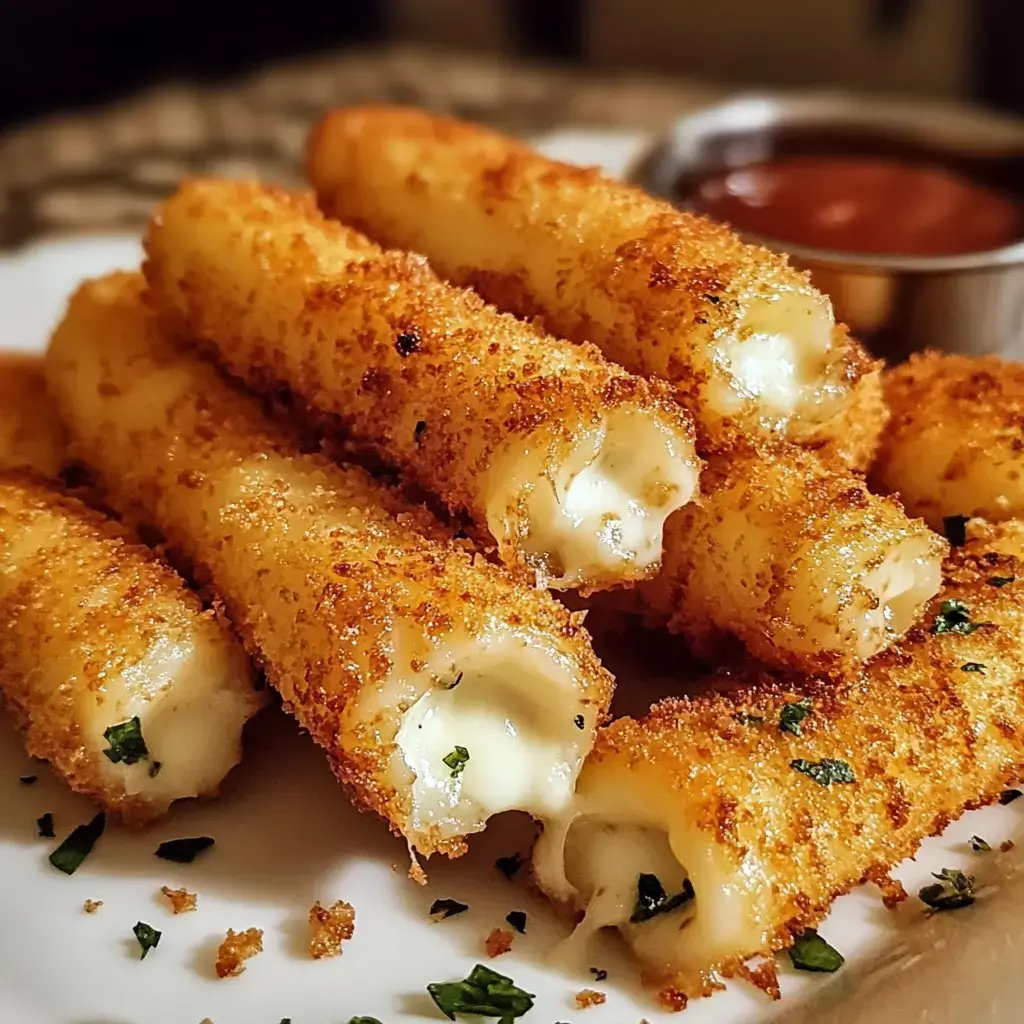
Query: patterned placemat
(103, 170)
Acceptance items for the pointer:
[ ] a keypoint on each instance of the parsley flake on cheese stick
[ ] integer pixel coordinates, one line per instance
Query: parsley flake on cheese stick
(107, 662)
(563, 458)
(358, 613)
(751, 345)
(749, 834)
(30, 431)
(797, 559)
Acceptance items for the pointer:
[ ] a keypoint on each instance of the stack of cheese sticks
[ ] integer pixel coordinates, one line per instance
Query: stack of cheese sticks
(591, 392)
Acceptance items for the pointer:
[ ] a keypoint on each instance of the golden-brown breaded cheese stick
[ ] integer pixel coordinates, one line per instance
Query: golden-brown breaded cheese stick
(955, 444)
(30, 430)
(752, 830)
(442, 690)
(561, 457)
(110, 667)
(801, 562)
(751, 344)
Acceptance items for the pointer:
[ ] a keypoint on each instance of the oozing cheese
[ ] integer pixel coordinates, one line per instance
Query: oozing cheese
(598, 514)
(511, 704)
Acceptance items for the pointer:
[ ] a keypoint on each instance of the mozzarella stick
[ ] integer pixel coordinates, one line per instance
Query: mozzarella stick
(111, 668)
(442, 690)
(800, 562)
(30, 431)
(564, 460)
(751, 345)
(955, 445)
(707, 833)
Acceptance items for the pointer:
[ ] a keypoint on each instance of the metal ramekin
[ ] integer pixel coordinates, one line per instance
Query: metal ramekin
(971, 303)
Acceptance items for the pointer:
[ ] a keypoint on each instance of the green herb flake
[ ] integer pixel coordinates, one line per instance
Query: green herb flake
(126, 742)
(792, 714)
(28, 780)
(456, 760)
(825, 772)
(955, 529)
(978, 845)
(745, 718)
(441, 909)
(652, 900)
(154, 769)
(517, 919)
(954, 617)
(353, 1020)
(484, 993)
(999, 581)
(44, 825)
(184, 851)
(810, 952)
(149, 938)
(579, 721)
(952, 891)
(598, 973)
(69, 855)
(972, 666)
(509, 866)
(1009, 795)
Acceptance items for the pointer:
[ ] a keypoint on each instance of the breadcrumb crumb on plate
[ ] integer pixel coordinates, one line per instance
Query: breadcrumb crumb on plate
(588, 997)
(329, 927)
(181, 900)
(91, 906)
(236, 948)
(498, 942)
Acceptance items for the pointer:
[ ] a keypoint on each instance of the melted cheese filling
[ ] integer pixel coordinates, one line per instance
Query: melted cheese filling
(514, 712)
(600, 513)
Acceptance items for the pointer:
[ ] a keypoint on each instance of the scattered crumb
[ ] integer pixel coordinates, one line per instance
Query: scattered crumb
(416, 872)
(91, 906)
(329, 927)
(1007, 845)
(893, 893)
(236, 947)
(588, 997)
(672, 999)
(765, 977)
(206, 1020)
(181, 900)
(498, 942)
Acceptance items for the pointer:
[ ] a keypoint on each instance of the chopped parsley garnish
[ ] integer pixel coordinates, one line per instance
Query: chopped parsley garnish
(440, 909)
(149, 938)
(184, 851)
(44, 825)
(599, 975)
(28, 780)
(484, 993)
(406, 344)
(999, 581)
(579, 721)
(954, 617)
(952, 891)
(418, 433)
(824, 772)
(517, 918)
(1009, 795)
(955, 528)
(456, 760)
(509, 866)
(792, 714)
(154, 769)
(978, 845)
(652, 900)
(354, 1020)
(810, 952)
(126, 742)
(972, 666)
(69, 855)
(745, 718)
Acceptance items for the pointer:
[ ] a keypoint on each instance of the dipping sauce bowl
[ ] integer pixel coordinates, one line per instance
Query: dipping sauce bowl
(909, 215)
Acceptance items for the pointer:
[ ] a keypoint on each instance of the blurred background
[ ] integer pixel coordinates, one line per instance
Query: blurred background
(226, 86)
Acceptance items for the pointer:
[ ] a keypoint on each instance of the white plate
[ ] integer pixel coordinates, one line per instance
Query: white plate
(286, 837)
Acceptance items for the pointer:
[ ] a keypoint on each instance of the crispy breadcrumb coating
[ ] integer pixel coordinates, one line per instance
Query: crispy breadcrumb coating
(30, 430)
(442, 690)
(769, 825)
(181, 900)
(488, 413)
(329, 927)
(795, 558)
(751, 346)
(498, 942)
(96, 631)
(236, 948)
(955, 443)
